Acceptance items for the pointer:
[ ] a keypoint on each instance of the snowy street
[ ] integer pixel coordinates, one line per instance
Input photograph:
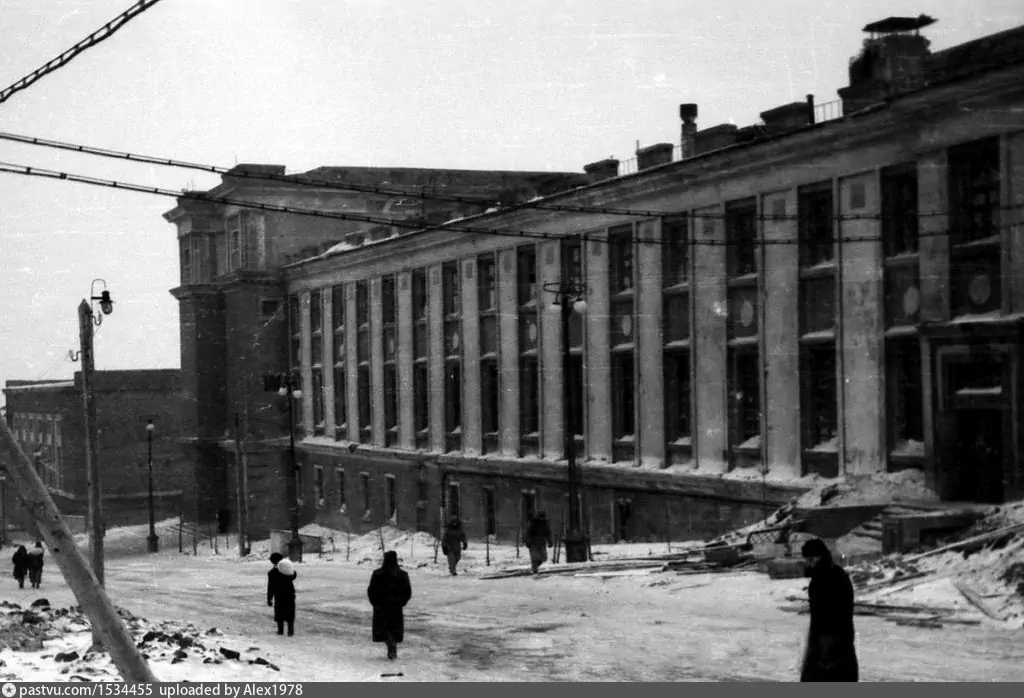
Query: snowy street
(654, 627)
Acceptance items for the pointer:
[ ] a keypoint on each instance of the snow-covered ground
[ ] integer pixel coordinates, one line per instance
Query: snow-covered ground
(639, 627)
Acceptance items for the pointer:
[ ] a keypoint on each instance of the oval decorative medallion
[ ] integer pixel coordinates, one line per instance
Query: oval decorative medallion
(455, 340)
(531, 331)
(391, 346)
(626, 325)
(747, 313)
(980, 289)
(911, 300)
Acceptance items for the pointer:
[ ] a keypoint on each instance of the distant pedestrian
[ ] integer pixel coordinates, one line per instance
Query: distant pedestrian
(281, 592)
(453, 543)
(538, 540)
(35, 565)
(389, 592)
(20, 560)
(831, 654)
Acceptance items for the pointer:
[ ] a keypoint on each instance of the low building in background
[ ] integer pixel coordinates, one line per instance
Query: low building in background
(47, 418)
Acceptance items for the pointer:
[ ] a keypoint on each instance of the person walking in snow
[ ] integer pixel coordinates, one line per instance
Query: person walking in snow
(453, 543)
(389, 592)
(831, 654)
(538, 540)
(20, 560)
(35, 565)
(281, 592)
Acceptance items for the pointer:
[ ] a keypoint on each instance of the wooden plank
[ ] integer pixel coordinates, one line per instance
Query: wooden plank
(975, 599)
(970, 544)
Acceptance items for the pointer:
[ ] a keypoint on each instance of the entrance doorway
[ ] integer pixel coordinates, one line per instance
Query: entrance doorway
(974, 467)
(623, 512)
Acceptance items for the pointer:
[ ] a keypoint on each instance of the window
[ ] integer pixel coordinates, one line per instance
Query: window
(741, 238)
(675, 250)
(364, 486)
(487, 283)
(420, 352)
(574, 271)
(677, 398)
(390, 499)
(620, 244)
(527, 262)
(529, 356)
(490, 512)
(490, 393)
(906, 406)
(316, 321)
(452, 299)
(454, 501)
(487, 288)
(815, 224)
(623, 391)
(744, 398)
(820, 408)
(388, 314)
(974, 191)
(340, 363)
(363, 387)
(295, 329)
(339, 477)
(318, 477)
(899, 209)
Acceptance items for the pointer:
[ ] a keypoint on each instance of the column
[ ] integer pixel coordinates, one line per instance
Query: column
(862, 404)
(933, 198)
(377, 364)
(508, 351)
(781, 333)
(596, 353)
(436, 361)
(351, 367)
(406, 416)
(649, 351)
(552, 425)
(1014, 216)
(472, 440)
(709, 341)
(307, 363)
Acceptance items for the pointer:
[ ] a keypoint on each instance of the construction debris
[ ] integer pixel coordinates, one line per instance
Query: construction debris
(975, 599)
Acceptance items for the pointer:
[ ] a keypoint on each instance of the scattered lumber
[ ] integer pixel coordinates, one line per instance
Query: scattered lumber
(898, 579)
(975, 600)
(889, 609)
(973, 544)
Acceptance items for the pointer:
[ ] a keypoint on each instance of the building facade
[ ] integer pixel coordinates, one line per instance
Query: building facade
(838, 296)
(47, 419)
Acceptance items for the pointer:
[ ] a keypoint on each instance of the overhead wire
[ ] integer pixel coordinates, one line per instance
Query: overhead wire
(101, 34)
(455, 225)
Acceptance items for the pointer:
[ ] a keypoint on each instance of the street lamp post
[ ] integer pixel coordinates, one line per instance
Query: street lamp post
(284, 385)
(570, 296)
(152, 541)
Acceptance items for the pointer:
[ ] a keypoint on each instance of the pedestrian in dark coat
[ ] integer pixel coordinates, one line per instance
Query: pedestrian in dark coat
(389, 592)
(35, 565)
(831, 654)
(20, 560)
(538, 540)
(453, 543)
(281, 592)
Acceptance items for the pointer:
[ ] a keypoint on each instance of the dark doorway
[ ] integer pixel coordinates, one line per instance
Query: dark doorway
(975, 461)
(623, 512)
(528, 509)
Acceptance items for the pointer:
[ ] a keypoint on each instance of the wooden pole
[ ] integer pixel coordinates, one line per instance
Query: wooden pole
(51, 528)
(241, 494)
(92, 465)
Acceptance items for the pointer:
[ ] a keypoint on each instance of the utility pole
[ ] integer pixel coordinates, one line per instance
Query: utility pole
(283, 384)
(92, 455)
(152, 540)
(52, 529)
(241, 485)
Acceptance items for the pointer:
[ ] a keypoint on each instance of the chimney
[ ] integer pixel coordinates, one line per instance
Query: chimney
(714, 138)
(891, 62)
(788, 117)
(654, 155)
(602, 170)
(688, 113)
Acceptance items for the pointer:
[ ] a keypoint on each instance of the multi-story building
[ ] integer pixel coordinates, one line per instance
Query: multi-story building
(233, 314)
(47, 419)
(837, 295)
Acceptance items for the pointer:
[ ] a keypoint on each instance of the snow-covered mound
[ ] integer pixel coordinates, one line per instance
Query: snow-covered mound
(878, 488)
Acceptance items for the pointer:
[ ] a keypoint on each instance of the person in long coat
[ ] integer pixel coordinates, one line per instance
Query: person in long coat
(538, 540)
(831, 654)
(453, 543)
(35, 565)
(20, 561)
(281, 593)
(389, 592)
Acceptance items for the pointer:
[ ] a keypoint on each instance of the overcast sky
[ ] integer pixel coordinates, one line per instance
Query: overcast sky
(488, 84)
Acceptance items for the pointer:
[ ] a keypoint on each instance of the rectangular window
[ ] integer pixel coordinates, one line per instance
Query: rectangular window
(489, 396)
(576, 421)
(339, 478)
(620, 246)
(318, 477)
(677, 397)
(340, 363)
(295, 329)
(675, 250)
(364, 388)
(420, 351)
(974, 191)
(487, 283)
(391, 403)
(452, 290)
(906, 406)
(453, 404)
(529, 398)
(452, 301)
(820, 402)
(454, 501)
(317, 388)
(316, 322)
(744, 398)
(574, 273)
(899, 209)
(365, 422)
(623, 392)
(490, 512)
(741, 238)
(421, 390)
(815, 224)
(529, 354)
(390, 498)
(389, 312)
(364, 486)
(527, 262)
